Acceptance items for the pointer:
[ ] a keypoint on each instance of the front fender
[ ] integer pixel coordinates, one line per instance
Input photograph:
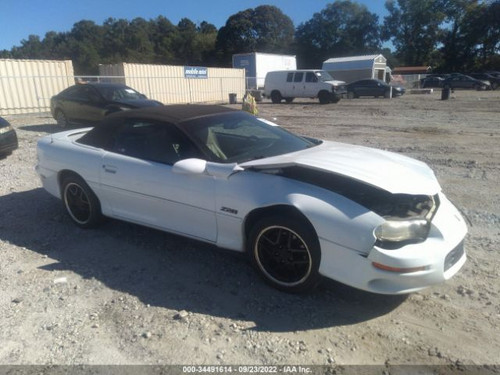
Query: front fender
(334, 217)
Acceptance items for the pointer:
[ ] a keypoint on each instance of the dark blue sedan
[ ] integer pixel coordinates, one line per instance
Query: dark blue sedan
(372, 87)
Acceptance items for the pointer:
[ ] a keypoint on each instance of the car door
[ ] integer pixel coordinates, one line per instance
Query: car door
(294, 88)
(92, 105)
(288, 87)
(364, 88)
(310, 87)
(139, 185)
(79, 105)
(69, 102)
(375, 88)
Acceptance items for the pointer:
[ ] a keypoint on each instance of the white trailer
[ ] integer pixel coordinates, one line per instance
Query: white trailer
(257, 65)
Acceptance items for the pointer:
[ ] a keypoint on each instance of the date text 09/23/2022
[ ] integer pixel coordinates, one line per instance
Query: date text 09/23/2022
(247, 369)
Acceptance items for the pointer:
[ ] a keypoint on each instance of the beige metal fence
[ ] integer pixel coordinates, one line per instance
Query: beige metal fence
(27, 85)
(168, 84)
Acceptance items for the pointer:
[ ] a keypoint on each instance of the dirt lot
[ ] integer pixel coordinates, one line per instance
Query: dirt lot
(124, 294)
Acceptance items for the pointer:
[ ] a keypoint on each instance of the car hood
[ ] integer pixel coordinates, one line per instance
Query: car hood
(336, 83)
(137, 103)
(389, 171)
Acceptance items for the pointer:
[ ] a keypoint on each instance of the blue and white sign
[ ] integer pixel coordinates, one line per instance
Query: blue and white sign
(195, 72)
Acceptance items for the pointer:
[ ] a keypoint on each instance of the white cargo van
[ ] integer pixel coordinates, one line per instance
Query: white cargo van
(306, 83)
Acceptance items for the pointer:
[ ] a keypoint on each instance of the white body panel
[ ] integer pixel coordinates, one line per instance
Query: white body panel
(213, 204)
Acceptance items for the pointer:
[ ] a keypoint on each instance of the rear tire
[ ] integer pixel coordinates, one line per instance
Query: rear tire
(286, 252)
(80, 202)
(276, 97)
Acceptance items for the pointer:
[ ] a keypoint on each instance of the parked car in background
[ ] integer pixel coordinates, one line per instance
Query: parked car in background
(494, 73)
(434, 81)
(8, 138)
(301, 208)
(290, 84)
(460, 81)
(88, 103)
(372, 87)
(493, 80)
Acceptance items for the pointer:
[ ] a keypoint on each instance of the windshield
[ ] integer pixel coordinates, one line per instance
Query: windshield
(323, 76)
(120, 93)
(239, 137)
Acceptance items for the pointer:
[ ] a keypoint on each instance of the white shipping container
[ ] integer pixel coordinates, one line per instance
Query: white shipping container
(26, 86)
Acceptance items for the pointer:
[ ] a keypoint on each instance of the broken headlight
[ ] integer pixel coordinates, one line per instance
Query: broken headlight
(415, 230)
(410, 225)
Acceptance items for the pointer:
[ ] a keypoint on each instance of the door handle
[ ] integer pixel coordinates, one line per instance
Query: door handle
(109, 169)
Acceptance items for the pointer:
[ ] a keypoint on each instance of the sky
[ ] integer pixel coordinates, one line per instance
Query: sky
(20, 18)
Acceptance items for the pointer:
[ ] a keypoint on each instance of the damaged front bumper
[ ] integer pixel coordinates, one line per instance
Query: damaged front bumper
(405, 270)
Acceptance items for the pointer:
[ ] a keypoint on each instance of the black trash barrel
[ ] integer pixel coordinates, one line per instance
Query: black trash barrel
(445, 93)
(232, 98)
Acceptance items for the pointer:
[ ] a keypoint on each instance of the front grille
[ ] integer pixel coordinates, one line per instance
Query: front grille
(454, 256)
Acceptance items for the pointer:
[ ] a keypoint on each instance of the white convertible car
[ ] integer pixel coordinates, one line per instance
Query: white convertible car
(301, 208)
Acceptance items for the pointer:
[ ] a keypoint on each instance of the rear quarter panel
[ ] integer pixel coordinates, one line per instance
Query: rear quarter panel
(59, 152)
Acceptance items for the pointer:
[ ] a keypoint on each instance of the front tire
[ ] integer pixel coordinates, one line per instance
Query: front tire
(324, 97)
(61, 119)
(80, 202)
(286, 252)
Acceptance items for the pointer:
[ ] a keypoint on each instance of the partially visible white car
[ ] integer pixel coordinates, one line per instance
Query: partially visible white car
(301, 208)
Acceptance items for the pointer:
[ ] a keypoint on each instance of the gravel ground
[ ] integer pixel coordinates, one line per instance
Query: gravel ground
(125, 294)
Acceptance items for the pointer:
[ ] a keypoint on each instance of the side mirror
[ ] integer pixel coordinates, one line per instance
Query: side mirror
(191, 166)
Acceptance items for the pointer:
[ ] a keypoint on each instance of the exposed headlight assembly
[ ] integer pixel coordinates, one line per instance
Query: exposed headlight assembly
(398, 231)
(415, 230)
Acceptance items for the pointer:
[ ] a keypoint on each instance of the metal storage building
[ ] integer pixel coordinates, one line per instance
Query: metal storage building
(353, 68)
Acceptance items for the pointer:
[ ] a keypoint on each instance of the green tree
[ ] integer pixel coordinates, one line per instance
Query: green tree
(139, 47)
(342, 28)
(413, 26)
(85, 46)
(163, 34)
(55, 46)
(185, 43)
(263, 29)
(205, 43)
(31, 48)
(114, 40)
(471, 38)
